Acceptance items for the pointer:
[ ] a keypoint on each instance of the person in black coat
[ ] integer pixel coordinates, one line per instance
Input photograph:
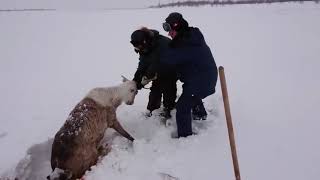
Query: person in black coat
(192, 58)
(149, 44)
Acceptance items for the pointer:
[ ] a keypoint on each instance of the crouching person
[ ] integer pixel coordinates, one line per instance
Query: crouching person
(149, 44)
(197, 70)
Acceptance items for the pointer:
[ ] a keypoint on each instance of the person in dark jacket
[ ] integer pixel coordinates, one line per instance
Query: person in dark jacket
(192, 58)
(149, 44)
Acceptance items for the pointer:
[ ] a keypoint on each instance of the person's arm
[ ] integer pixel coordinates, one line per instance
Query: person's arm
(139, 74)
(177, 56)
(152, 70)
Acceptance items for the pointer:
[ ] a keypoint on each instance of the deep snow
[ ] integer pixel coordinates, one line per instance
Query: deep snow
(50, 60)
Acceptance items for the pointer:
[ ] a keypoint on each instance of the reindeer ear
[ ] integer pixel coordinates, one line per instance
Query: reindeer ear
(124, 79)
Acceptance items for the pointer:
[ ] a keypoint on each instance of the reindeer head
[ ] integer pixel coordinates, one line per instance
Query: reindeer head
(128, 91)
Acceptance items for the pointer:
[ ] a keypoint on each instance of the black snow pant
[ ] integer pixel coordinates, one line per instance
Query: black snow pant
(184, 107)
(163, 86)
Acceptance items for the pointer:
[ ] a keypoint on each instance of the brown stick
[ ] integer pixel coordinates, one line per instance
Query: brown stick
(229, 123)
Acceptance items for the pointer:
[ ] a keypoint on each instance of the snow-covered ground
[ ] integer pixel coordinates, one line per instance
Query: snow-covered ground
(50, 60)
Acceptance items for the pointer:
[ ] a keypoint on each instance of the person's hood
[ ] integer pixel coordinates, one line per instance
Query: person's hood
(194, 36)
(190, 37)
(155, 32)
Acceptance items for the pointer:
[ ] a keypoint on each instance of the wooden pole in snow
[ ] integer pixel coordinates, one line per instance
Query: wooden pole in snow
(229, 123)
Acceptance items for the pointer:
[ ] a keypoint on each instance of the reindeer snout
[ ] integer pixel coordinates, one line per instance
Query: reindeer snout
(130, 102)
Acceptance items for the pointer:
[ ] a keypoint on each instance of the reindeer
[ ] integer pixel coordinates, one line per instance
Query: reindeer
(76, 146)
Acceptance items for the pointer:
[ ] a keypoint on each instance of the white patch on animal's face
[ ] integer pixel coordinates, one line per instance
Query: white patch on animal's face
(58, 174)
(129, 91)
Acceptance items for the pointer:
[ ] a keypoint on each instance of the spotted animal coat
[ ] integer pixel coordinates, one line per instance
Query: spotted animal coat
(76, 145)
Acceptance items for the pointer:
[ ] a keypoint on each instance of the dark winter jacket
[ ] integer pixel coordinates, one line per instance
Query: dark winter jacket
(149, 62)
(195, 65)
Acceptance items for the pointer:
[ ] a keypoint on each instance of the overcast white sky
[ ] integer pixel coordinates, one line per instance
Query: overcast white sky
(9, 4)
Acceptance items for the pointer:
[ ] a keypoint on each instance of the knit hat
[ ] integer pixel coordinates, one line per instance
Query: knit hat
(138, 38)
(176, 21)
(141, 39)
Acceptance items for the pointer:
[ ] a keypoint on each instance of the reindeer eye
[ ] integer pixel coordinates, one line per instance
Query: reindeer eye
(132, 90)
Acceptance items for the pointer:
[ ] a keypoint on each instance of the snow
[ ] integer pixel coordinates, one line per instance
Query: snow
(50, 60)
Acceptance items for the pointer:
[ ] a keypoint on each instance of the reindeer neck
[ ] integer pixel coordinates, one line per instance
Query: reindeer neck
(116, 99)
(106, 96)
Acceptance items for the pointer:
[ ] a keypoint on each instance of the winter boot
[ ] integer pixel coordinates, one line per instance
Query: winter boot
(166, 113)
(148, 113)
(174, 134)
(199, 112)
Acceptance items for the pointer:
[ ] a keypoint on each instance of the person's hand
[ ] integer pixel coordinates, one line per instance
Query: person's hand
(145, 80)
(139, 86)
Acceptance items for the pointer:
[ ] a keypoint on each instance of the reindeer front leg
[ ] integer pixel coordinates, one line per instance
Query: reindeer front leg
(114, 123)
(117, 126)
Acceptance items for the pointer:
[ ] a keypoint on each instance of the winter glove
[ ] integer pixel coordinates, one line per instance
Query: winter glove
(139, 85)
(145, 80)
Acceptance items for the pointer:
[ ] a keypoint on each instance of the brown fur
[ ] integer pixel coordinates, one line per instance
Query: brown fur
(76, 145)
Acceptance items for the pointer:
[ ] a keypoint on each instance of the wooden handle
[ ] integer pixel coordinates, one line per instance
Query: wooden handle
(229, 122)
